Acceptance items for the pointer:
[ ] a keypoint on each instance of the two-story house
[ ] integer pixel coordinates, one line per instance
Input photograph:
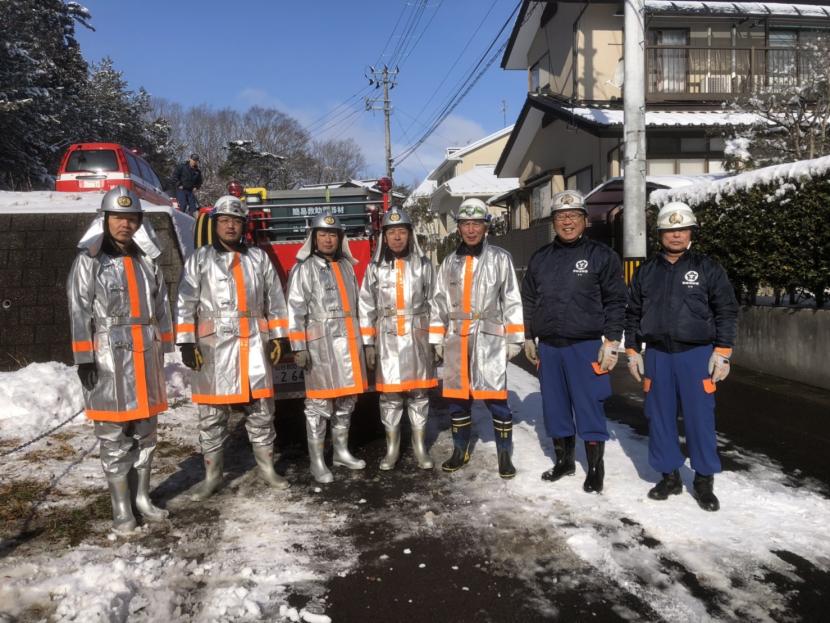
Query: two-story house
(698, 56)
(465, 172)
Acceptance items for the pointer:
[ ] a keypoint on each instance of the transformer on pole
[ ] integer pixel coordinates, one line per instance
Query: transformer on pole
(634, 138)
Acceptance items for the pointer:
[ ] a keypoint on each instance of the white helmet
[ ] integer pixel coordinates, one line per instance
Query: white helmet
(230, 206)
(122, 201)
(567, 200)
(472, 209)
(676, 215)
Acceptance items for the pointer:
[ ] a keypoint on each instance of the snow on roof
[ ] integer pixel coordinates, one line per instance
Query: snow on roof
(800, 171)
(666, 118)
(667, 181)
(480, 180)
(737, 8)
(456, 153)
(424, 189)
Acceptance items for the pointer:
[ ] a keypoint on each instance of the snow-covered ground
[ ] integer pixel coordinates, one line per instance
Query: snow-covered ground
(250, 552)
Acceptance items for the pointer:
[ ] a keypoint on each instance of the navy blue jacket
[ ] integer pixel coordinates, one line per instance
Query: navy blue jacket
(674, 307)
(187, 177)
(574, 292)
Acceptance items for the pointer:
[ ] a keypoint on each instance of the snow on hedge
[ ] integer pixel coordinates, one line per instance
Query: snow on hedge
(783, 175)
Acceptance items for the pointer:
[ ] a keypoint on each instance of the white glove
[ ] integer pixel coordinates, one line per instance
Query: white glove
(532, 352)
(608, 355)
(371, 356)
(719, 364)
(438, 352)
(513, 350)
(635, 364)
(302, 359)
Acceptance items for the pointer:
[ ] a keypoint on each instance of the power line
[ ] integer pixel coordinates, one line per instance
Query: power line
(425, 28)
(464, 88)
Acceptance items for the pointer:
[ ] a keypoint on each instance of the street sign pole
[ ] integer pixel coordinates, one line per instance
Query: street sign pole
(634, 131)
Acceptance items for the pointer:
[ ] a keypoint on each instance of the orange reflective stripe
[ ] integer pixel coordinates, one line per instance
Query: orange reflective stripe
(167, 337)
(267, 392)
(82, 346)
(275, 323)
(350, 332)
(437, 330)
(367, 331)
(488, 394)
(455, 393)
(242, 305)
(333, 393)
(185, 328)
(514, 328)
(132, 288)
(297, 336)
(466, 305)
(139, 366)
(406, 386)
(221, 399)
(126, 416)
(400, 302)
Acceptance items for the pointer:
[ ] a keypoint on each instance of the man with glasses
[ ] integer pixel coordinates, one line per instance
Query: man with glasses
(573, 294)
(476, 326)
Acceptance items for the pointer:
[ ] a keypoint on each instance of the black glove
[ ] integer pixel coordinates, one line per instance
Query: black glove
(88, 373)
(191, 357)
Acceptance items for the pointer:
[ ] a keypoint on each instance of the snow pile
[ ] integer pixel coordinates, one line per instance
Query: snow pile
(639, 543)
(790, 172)
(38, 397)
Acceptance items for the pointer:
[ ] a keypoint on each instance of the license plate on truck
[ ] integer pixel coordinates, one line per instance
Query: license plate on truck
(285, 373)
(90, 183)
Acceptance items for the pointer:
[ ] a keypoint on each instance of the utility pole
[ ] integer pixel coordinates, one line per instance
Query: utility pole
(634, 132)
(387, 78)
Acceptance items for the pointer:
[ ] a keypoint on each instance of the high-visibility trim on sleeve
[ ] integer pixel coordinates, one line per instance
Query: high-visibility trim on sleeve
(437, 330)
(514, 328)
(167, 337)
(489, 394)
(296, 336)
(83, 346)
(368, 331)
(276, 323)
(186, 328)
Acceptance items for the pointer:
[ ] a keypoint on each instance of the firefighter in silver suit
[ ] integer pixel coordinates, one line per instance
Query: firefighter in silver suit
(231, 316)
(121, 328)
(325, 337)
(476, 325)
(394, 322)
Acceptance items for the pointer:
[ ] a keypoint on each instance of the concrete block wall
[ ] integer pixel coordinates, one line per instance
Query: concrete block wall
(785, 342)
(36, 253)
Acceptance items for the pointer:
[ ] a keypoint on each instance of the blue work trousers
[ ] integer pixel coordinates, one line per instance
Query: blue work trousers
(187, 201)
(683, 376)
(573, 393)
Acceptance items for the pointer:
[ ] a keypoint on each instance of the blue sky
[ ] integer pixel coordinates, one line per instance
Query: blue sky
(305, 58)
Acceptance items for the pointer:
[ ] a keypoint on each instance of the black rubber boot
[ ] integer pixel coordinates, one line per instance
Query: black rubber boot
(504, 444)
(564, 466)
(669, 485)
(594, 450)
(461, 428)
(706, 499)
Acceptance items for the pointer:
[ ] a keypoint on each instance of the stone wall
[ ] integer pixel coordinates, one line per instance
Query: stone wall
(36, 253)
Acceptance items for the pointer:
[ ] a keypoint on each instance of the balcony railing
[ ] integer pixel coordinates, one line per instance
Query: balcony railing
(702, 73)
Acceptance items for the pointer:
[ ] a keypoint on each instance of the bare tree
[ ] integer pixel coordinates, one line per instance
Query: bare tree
(792, 112)
(336, 160)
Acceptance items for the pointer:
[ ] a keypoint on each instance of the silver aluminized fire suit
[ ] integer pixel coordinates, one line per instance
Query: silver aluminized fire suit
(323, 321)
(394, 317)
(230, 304)
(120, 322)
(475, 312)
